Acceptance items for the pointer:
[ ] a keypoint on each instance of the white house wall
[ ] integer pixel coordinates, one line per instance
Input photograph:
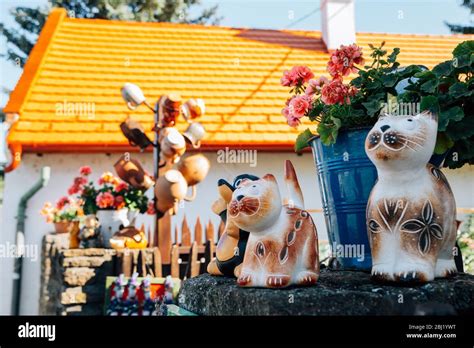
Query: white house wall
(65, 166)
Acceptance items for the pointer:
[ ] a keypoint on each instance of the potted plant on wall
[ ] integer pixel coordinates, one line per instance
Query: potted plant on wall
(65, 214)
(114, 202)
(344, 113)
(448, 90)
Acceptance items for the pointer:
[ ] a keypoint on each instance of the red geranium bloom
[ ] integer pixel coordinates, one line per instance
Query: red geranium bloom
(62, 202)
(341, 62)
(85, 170)
(105, 200)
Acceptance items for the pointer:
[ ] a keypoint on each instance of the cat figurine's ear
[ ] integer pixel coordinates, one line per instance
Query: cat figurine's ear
(269, 177)
(225, 190)
(295, 196)
(429, 114)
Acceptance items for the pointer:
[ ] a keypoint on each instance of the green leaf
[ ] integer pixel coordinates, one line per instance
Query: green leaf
(302, 140)
(393, 56)
(443, 143)
(453, 114)
(389, 80)
(429, 102)
(443, 69)
(466, 47)
(328, 132)
(429, 86)
(457, 90)
(372, 106)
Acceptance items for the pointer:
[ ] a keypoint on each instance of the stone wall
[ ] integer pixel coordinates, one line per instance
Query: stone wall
(73, 280)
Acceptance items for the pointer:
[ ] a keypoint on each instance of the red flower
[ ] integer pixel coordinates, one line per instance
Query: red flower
(85, 170)
(151, 208)
(292, 120)
(80, 181)
(337, 93)
(73, 190)
(315, 86)
(121, 186)
(119, 202)
(300, 105)
(341, 62)
(105, 200)
(62, 203)
(298, 75)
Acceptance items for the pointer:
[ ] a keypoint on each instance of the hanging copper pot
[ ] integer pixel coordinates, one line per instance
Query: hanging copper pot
(132, 172)
(135, 133)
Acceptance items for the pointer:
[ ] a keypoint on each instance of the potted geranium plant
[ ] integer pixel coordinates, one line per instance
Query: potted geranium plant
(343, 114)
(448, 90)
(114, 202)
(65, 214)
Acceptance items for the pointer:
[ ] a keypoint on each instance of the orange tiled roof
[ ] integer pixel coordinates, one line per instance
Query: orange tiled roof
(236, 72)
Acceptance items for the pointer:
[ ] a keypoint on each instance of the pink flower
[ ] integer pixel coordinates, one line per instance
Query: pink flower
(286, 80)
(119, 202)
(151, 208)
(315, 86)
(302, 74)
(80, 181)
(342, 60)
(336, 93)
(298, 75)
(292, 120)
(299, 105)
(121, 186)
(61, 203)
(85, 170)
(105, 200)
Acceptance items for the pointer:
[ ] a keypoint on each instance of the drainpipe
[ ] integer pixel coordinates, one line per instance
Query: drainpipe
(20, 236)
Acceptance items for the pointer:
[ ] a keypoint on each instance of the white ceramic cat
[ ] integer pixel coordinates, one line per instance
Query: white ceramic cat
(411, 210)
(282, 248)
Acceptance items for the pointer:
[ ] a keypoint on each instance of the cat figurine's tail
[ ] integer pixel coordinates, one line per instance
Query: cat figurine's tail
(294, 195)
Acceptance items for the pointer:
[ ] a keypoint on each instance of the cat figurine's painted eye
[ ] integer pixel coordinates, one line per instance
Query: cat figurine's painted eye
(410, 123)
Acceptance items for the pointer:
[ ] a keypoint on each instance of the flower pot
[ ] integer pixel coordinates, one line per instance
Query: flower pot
(64, 226)
(110, 222)
(346, 177)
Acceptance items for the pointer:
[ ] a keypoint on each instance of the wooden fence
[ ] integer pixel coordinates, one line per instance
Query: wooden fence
(186, 257)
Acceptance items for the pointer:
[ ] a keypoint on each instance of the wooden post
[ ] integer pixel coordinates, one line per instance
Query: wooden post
(210, 231)
(127, 263)
(185, 233)
(157, 267)
(174, 261)
(198, 232)
(193, 258)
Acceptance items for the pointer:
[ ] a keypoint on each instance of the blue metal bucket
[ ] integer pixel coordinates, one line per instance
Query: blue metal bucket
(346, 177)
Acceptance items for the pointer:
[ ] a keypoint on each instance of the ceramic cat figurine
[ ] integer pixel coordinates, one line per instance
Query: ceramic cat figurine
(233, 241)
(411, 213)
(282, 248)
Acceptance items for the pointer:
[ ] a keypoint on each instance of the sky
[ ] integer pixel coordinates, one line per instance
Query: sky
(390, 16)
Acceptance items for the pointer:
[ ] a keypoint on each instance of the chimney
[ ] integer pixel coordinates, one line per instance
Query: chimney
(337, 23)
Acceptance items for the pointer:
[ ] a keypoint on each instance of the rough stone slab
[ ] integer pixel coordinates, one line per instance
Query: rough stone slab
(88, 252)
(83, 309)
(86, 261)
(60, 240)
(73, 296)
(78, 276)
(337, 293)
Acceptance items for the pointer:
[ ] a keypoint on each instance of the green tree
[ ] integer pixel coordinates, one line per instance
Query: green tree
(463, 29)
(28, 21)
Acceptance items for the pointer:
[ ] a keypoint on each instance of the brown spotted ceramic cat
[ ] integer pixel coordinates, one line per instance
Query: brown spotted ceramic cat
(411, 213)
(282, 248)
